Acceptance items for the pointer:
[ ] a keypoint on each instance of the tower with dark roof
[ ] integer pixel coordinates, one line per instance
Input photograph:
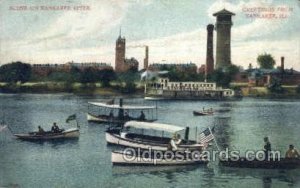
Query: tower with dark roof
(120, 54)
(223, 28)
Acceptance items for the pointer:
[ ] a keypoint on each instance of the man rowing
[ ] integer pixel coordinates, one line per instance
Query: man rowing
(292, 152)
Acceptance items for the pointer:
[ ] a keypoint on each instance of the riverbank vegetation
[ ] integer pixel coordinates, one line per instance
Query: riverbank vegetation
(18, 77)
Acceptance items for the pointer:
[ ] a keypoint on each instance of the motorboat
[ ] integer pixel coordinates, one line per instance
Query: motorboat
(140, 139)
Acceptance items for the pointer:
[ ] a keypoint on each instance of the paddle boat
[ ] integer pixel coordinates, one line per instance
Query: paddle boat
(133, 135)
(119, 113)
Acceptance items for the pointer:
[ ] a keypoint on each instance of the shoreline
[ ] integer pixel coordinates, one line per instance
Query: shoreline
(96, 89)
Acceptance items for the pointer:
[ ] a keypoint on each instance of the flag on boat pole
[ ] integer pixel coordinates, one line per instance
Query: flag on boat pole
(206, 136)
(71, 118)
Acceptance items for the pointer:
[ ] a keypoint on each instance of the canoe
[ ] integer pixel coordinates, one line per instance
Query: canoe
(278, 163)
(202, 113)
(33, 136)
(123, 158)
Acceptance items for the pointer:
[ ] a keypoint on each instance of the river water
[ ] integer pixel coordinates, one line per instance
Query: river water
(87, 162)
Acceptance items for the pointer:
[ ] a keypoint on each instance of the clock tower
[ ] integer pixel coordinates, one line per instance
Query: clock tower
(120, 54)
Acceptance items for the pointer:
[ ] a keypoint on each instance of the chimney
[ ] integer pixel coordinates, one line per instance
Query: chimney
(209, 68)
(146, 59)
(282, 64)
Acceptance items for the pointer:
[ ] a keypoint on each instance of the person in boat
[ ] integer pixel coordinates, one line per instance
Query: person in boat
(126, 116)
(292, 152)
(267, 146)
(175, 141)
(40, 130)
(55, 128)
(142, 116)
(111, 114)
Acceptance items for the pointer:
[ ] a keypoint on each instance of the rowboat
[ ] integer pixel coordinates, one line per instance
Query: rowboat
(276, 163)
(203, 113)
(119, 113)
(123, 158)
(125, 137)
(71, 133)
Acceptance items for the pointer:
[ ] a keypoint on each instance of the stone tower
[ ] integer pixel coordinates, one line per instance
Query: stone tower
(223, 28)
(209, 68)
(120, 54)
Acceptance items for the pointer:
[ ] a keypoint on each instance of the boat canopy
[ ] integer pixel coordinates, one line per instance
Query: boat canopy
(155, 126)
(125, 107)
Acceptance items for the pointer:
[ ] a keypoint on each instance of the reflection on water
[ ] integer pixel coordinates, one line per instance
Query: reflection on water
(86, 162)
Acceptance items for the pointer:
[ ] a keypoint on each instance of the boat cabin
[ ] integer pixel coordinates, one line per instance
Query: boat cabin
(119, 113)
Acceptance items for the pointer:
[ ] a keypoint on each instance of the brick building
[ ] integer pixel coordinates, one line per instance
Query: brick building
(121, 63)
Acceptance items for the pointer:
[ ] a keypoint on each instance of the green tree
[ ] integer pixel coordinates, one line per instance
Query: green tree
(75, 74)
(266, 61)
(224, 76)
(127, 81)
(88, 75)
(105, 76)
(298, 89)
(15, 71)
(275, 86)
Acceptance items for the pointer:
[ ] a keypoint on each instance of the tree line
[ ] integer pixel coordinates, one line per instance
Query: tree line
(22, 72)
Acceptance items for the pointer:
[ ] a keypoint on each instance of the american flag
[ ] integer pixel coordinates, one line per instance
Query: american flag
(206, 136)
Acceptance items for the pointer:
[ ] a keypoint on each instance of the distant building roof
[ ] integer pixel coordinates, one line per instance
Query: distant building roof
(223, 12)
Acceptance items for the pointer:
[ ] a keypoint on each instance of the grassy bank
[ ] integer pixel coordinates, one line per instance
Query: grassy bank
(263, 92)
(63, 87)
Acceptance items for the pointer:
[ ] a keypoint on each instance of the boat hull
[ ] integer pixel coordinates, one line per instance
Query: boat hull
(112, 138)
(282, 163)
(68, 134)
(107, 119)
(120, 158)
(197, 113)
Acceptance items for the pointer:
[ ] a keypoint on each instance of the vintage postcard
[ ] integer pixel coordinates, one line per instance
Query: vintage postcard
(149, 93)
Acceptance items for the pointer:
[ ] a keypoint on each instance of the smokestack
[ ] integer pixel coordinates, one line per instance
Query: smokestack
(146, 59)
(209, 68)
(282, 64)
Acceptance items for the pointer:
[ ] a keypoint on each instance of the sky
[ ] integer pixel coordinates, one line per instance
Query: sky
(174, 30)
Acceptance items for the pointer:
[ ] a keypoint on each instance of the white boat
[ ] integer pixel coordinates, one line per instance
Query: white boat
(123, 158)
(142, 141)
(119, 113)
(66, 134)
(163, 88)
